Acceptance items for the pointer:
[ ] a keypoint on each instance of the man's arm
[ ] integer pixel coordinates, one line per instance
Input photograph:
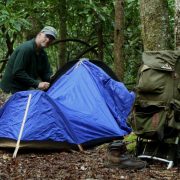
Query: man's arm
(45, 68)
(21, 63)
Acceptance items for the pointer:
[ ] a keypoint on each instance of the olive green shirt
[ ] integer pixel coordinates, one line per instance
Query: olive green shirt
(26, 68)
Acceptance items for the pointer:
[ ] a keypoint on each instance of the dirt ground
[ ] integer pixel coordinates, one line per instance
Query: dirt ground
(75, 165)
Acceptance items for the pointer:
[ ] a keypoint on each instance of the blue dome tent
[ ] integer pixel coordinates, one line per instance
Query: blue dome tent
(84, 105)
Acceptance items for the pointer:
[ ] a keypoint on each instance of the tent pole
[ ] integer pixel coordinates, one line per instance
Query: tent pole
(22, 126)
(80, 147)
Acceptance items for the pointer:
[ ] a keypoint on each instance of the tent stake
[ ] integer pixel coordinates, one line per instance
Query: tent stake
(22, 126)
(80, 147)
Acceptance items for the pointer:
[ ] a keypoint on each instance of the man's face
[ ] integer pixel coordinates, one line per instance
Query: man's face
(45, 40)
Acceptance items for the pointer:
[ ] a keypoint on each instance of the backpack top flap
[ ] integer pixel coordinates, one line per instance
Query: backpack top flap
(159, 76)
(161, 60)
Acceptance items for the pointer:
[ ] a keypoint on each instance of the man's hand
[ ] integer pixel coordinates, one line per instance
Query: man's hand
(43, 85)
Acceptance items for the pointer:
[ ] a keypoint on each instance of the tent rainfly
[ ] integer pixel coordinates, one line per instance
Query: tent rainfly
(84, 105)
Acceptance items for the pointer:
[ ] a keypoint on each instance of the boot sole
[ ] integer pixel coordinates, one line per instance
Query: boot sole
(124, 167)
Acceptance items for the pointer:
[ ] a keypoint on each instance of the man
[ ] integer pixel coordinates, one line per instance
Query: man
(28, 66)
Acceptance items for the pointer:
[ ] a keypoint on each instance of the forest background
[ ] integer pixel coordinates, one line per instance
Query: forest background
(113, 31)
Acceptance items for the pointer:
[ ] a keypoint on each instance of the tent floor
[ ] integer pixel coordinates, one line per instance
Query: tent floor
(7, 143)
(47, 145)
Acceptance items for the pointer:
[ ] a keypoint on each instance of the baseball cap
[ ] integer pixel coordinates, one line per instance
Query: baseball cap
(49, 30)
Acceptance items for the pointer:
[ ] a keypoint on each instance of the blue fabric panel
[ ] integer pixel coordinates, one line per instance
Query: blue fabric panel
(44, 120)
(117, 97)
(83, 93)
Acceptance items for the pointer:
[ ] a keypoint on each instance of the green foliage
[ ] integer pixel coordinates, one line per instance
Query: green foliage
(13, 17)
(133, 42)
(12, 22)
(83, 18)
(130, 140)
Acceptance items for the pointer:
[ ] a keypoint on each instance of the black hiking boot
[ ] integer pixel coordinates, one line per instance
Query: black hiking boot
(126, 162)
(117, 157)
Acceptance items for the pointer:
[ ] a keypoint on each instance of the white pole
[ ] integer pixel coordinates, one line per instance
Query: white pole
(22, 126)
(80, 147)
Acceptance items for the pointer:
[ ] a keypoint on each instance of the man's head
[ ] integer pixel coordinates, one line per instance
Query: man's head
(46, 36)
(50, 31)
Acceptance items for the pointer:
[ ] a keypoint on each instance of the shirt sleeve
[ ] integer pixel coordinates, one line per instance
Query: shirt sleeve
(45, 68)
(19, 70)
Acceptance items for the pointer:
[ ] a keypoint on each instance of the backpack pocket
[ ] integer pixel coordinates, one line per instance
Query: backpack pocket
(152, 80)
(149, 122)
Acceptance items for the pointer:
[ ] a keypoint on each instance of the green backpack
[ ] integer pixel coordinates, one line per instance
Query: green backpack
(156, 112)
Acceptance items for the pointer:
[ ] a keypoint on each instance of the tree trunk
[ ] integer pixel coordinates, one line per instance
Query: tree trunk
(155, 24)
(99, 31)
(177, 24)
(119, 39)
(63, 32)
(100, 41)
